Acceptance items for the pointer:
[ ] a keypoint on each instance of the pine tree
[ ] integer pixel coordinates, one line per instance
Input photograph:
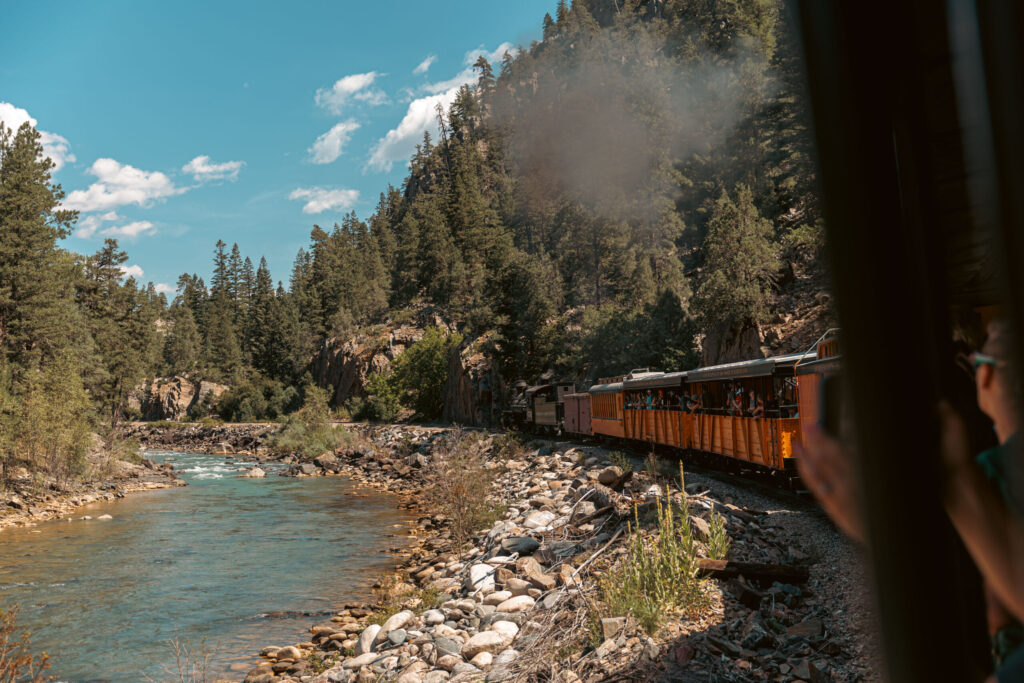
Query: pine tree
(183, 344)
(223, 356)
(220, 283)
(740, 262)
(549, 26)
(37, 320)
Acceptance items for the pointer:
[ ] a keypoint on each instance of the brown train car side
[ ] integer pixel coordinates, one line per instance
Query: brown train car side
(606, 409)
(577, 414)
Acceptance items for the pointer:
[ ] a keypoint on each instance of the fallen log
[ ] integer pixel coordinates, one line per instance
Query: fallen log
(754, 571)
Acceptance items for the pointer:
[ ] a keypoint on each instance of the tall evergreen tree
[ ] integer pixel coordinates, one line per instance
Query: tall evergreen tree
(739, 263)
(37, 319)
(183, 343)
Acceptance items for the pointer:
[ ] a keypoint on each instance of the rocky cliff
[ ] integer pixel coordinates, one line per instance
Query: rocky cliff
(170, 398)
(474, 390)
(343, 364)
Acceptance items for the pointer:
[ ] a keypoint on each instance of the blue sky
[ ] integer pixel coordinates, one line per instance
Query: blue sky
(179, 123)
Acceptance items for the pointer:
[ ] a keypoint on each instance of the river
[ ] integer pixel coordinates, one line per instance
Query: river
(205, 565)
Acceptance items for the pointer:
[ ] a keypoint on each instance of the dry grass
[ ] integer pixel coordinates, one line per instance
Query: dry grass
(460, 483)
(16, 660)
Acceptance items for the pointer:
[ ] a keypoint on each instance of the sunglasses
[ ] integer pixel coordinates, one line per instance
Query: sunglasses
(978, 359)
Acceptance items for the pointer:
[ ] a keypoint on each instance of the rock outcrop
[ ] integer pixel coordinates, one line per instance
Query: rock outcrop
(472, 394)
(170, 398)
(344, 364)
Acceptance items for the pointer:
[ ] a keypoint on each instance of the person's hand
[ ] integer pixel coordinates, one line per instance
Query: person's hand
(827, 471)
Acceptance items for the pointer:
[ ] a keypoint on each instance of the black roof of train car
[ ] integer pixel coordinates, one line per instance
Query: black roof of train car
(760, 367)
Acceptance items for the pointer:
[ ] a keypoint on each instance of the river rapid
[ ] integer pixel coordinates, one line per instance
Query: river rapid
(211, 565)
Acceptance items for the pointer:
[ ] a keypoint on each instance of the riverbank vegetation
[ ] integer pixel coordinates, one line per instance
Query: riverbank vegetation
(17, 663)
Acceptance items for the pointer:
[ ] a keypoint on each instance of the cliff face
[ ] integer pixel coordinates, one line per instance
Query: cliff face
(474, 390)
(344, 364)
(169, 398)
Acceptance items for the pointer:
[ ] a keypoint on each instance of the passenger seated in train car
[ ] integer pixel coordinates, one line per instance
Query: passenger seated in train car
(736, 408)
(684, 402)
(758, 410)
(984, 496)
(649, 400)
(751, 402)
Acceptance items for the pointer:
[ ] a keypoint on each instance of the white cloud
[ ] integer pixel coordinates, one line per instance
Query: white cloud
(323, 199)
(54, 146)
(354, 86)
(88, 226)
(129, 230)
(202, 169)
(132, 271)
(164, 288)
(469, 74)
(425, 64)
(121, 184)
(400, 142)
(329, 146)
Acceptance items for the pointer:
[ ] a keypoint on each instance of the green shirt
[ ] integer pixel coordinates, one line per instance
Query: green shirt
(1004, 467)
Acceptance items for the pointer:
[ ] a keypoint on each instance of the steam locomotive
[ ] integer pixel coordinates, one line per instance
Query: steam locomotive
(751, 412)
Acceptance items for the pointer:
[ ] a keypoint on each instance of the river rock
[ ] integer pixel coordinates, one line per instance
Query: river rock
(520, 603)
(485, 641)
(609, 475)
(290, 652)
(481, 578)
(538, 519)
(433, 617)
(398, 636)
(447, 646)
(524, 545)
(482, 660)
(254, 473)
(366, 639)
(394, 622)
(497, 598)
(506, 628)
(104, 517)
(361, 660)
(448, 662)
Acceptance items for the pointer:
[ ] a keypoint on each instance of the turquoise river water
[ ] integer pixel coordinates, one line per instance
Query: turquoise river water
(213, 563)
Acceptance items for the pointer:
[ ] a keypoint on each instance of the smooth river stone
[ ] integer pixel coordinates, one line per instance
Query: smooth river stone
(485, 641)
(395, 622)
(361, 660)
(507, 628)
(497, 598)
(366, 638)
(481, 578)
(520, 603)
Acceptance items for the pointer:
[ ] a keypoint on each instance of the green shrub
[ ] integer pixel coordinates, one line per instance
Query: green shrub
(508, 446)
(262, 399)
(622, 461)
(44, 422)
(382, 400)
(419, 374)
(658, 575)
(308, 432)
(718, 539)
